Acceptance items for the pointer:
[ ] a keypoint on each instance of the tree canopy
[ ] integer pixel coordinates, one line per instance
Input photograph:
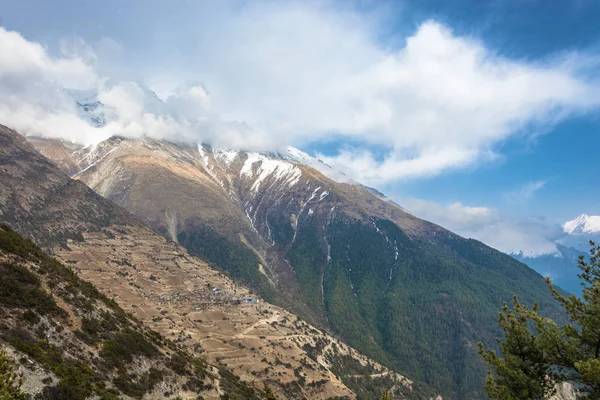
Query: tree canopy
(538, 353)
(10, 383)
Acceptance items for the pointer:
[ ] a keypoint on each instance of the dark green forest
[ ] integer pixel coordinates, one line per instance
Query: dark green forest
(418, 307)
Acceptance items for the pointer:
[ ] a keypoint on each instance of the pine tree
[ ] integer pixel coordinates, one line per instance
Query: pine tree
(10, 383)
(269, 395)
(538, 353)
(386, 395)
(521, 373)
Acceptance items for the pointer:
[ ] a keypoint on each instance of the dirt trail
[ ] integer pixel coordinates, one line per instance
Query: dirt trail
(274, 318)
(380, 375)
(321, 357)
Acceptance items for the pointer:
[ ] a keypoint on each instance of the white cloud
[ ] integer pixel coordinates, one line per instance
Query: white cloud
(525, 192)
(279, 73)
(454, 216)
(530, 237)
(31, 95)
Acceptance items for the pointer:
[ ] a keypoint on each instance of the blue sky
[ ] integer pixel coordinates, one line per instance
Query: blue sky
(479, 115)
(561, 156)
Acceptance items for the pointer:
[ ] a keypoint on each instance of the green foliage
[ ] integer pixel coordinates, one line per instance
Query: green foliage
(121, 348)
(235, 258)
(44, 353)
(523, 371)
(120, 338)
(306, 257)
(97, 329)
(415, 306)
(282, 231)
(235, 388)
(179, 363)
(31, 317)
(21, 288)
(10, 384)
(77, 381)
(137, 388)
(61, 279)
(538, 353)
(268, 393)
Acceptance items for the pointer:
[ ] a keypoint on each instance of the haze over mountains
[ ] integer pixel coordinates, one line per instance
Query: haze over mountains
(560, 261)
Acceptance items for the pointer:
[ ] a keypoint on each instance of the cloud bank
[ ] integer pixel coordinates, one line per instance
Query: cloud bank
(274, 74)
(531, 237)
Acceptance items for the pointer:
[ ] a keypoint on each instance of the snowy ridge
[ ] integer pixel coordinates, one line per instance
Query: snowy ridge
(87, 157)
(225, 156)
(299, 157)
(207, 164)
(583, 224)
(96, 161)
(281, 171)
(90, 109)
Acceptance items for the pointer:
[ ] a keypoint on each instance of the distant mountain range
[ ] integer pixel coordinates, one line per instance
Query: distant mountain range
(570, 243)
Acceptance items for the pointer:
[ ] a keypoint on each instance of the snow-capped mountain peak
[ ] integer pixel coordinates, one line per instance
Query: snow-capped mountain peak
(583, 224)
(89, 108)
(299, 157)
(98, 114)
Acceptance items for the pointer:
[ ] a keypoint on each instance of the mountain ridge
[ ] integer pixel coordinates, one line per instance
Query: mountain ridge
(409, 293)
(175, 293)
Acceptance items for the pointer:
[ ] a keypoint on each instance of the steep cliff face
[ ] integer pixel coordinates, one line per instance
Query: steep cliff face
(406, 292)
(172, 292)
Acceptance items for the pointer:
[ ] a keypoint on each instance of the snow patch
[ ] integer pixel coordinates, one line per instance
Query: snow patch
(281, 171)
(95, 162)
(224, 156)
(312, 196)
(209, 168)
(298, 156)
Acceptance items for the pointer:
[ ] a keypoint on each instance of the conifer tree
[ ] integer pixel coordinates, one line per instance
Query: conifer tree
(386, 395)
(268, 392)
(537, 353)
(10, 383)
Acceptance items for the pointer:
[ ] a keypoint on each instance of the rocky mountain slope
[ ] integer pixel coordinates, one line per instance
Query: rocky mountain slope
(406, 292)
(70, 341)
(176, 294)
